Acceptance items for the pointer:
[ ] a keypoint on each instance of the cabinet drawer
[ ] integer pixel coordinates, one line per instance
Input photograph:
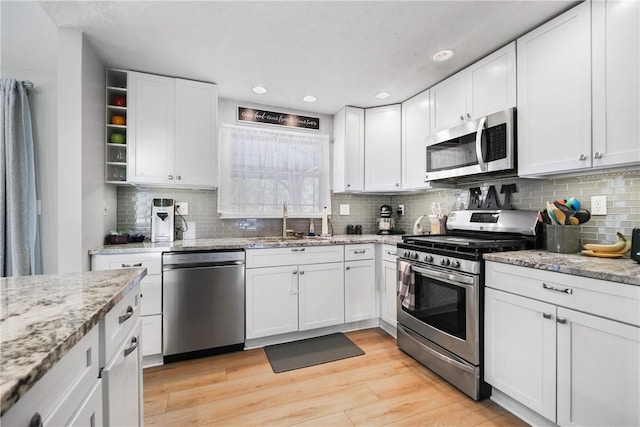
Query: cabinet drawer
(360, 251)
(294, 256)
(151, 335)
(389, 253)
(118, 323)
(151, 261)
(615, 301)
(61, 391)
(151, 290)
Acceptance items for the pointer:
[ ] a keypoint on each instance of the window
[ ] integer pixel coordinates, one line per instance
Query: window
(261, 169)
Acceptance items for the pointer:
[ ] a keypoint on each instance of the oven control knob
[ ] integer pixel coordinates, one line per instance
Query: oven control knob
(445, 261)
(455, 264)
(406, 254)
(428, 258)
(415, 256)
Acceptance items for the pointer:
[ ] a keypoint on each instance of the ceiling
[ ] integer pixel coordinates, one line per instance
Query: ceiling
(341, 52)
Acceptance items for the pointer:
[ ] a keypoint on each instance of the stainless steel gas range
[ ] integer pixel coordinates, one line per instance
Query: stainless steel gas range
(441, 301)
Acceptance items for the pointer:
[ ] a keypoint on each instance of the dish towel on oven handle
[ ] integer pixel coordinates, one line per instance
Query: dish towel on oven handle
(406, 285)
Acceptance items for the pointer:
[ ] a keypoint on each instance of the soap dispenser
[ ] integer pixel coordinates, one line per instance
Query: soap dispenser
(312, 231)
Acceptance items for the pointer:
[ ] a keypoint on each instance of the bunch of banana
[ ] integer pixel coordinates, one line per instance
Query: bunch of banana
(613, 250)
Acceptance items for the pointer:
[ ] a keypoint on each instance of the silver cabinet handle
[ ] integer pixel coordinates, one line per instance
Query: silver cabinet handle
(134, 345)
(562, 320)
(36, 420)
(137, 264)
(461, 117)
(553, 288)
(597, 155)
(468, 116)
(582, 157)
(123, 318)
(348, 185)
(347, 268)
(295, 271)
(359, 251)
(297, 249)
(397, 184)
(546, 315)
(301, 271)
(391, 253)
(170, 176)
(178, 177)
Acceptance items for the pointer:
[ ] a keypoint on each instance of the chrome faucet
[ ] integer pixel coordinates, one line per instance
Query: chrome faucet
(285, 214)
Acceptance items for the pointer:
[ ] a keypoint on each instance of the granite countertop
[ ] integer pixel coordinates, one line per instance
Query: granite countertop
(622, 270)
(244, 243)
(43, 317)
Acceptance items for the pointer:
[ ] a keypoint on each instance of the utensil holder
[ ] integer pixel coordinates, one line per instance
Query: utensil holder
(562, 239)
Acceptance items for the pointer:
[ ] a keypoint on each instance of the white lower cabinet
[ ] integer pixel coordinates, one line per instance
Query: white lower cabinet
(565, 347)
(151, 299)
(360, 290)
(388, 286)
(321, 298)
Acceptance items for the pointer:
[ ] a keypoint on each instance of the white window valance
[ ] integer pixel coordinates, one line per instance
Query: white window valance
(261, 169)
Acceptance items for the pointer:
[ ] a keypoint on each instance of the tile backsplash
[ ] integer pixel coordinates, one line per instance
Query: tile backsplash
(622, 189)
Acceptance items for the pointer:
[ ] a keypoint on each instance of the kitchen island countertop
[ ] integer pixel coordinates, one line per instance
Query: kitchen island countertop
(621, 270)
(244, 243)
(42, 317)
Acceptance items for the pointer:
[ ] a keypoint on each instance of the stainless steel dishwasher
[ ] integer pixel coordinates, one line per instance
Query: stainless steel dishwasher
(202, 303)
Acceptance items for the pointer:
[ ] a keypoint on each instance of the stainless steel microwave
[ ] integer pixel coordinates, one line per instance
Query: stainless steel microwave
(486, 145)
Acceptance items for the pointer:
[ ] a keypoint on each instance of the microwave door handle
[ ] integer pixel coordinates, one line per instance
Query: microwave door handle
(481, 162)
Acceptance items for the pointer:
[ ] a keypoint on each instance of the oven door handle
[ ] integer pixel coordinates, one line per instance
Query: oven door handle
(452, 278)
(481, 162)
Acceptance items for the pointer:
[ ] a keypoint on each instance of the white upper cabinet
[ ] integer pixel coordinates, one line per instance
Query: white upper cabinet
(483, 88)
(382, 148)
(554, 95)
(348, 150)
(616, 94)
(415, 129)
(172, 131)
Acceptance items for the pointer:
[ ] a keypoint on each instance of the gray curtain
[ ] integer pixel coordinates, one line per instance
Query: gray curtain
(19, 242)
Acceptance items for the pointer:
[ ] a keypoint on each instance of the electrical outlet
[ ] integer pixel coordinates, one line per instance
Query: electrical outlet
(182, 208)
(598, 205)
(401, 210)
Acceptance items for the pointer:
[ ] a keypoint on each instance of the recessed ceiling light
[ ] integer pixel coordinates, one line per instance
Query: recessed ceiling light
(383, 95)
(443, 55)
(309, 98)
(259, 89)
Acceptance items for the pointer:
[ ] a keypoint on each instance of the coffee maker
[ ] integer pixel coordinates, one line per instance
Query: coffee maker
(385, 223)
(162, 220)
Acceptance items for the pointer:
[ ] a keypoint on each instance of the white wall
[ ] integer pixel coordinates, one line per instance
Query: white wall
(29, 45)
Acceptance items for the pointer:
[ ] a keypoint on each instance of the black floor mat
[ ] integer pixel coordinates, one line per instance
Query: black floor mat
(309, 352)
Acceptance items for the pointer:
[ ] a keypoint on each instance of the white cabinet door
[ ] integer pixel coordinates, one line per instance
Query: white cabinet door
(348, 150)
(415, 129)
(122, 380)
(491, 83)
(598, 371)
(448, 102)
(151, 128)
(554, 95)
(151, 334)
(321, 299)
(90, 412)
(520, 349)
(382, 148)
(360, 290)
(271, 301)
(389, 293)
(616, 91)
(196, 150)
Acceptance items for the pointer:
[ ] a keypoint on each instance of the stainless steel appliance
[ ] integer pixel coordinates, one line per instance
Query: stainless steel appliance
(443, 329)
(385, 223)
(202, 302)
(635, 244)
(162, 220)
(483, 146)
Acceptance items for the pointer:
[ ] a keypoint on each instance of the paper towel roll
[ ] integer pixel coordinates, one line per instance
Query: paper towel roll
(325, 222)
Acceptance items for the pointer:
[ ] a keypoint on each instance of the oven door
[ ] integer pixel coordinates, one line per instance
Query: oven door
(446, 310)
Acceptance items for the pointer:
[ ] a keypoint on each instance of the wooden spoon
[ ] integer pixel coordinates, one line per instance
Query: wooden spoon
(574, 220)
(560, 216)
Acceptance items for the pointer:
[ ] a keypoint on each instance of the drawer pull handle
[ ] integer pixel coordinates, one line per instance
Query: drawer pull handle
(360, 251)
(546, 315)
(301, 271)
(391, 253)
(553, 288)
(295, 271)
(562, 320)
(36, 420)
(134, 345)
(137, 264)
(347, 268)
(123, 318)
(297, 249)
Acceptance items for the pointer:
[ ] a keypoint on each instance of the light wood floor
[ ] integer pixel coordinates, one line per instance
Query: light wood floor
(383, 387)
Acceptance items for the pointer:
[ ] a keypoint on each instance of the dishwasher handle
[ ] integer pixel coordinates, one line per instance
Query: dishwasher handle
(226, 264)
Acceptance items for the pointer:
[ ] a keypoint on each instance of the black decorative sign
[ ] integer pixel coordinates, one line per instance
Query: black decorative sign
(280, 119)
